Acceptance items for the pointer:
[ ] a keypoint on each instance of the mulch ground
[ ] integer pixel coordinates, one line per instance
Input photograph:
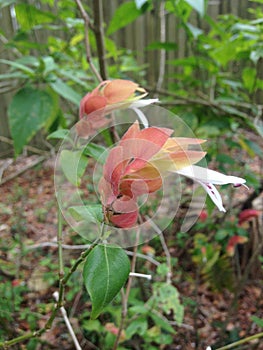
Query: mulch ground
(28, 217)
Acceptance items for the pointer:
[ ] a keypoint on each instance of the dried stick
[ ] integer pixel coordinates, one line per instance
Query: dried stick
(99, 35)
(21, 171)
(28, 148)
(87, 26)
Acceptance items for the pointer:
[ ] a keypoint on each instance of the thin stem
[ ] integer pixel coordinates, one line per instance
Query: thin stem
(87, 246)
(87, 26)
(99, 35)
(165, 248)
(60, 257)
(68, 324)
(204, 101)
(125, 296)
(63, 281)
(242, 341)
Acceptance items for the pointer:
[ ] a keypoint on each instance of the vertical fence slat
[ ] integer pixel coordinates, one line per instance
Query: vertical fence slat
(136, 36)
(7, 27)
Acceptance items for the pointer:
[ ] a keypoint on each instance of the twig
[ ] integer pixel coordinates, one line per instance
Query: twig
(4, 166)
(21, 171)
(7, 344)
(165, 248)
(55, 245)
(28, 148)
(242, 341)
(87, 246)
(205, 101)
(60, 257)
(87, 25)
(99, 35)
(125, 295)
(143, 256)
(68, 324)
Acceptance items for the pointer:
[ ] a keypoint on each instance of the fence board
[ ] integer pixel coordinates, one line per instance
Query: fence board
(7, 27)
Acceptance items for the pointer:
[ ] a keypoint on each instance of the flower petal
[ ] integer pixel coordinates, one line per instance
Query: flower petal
(198, 173)
(127, 212)
(178, 143)
(119, 90)
(114, 167)
(132, 132)
(213, 194)
(143, 103)
(247, 214)
(90, 104)
(233, 241)
(141, 116)
(166, 161)
(125, 220)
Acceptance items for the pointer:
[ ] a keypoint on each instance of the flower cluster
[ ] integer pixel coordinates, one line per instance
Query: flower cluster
(107, 97)
(137, 165)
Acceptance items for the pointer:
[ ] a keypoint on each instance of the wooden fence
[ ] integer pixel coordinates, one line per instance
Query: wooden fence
(136, 36)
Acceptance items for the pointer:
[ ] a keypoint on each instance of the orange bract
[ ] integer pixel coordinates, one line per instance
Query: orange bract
(135, 167)
(109, 95)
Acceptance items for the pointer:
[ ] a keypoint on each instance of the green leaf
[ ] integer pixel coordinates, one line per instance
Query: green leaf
(138, 326)
(97, 152)
(28, 61)
(167, 298)
(73, 164)
(256, 54)
(225, 159)
(72, 75)
(258, 321)
(162, 322)
(259, 126)
(65, 91)
(91, 212)
(125, 14)
(4, 3)
(58, 134)
(29, 16)
(250, 147)
(20, 66)
(140, 3)
(198, 5)
(194, 30)
(106, 269)
(30, 110)
(249, 76)
(92, 325)
(14, 75)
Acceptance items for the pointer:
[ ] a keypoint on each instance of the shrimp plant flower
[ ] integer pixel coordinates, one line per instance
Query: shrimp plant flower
(137, 164)
(108, 96)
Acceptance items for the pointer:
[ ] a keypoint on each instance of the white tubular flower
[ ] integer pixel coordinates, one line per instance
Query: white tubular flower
(208, 178)
(139, 104)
